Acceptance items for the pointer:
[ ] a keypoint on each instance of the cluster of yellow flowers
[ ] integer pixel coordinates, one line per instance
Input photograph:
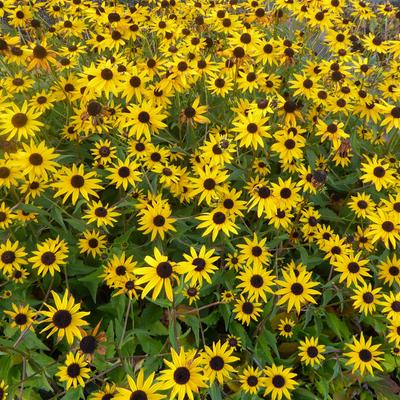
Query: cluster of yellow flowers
(228, 170)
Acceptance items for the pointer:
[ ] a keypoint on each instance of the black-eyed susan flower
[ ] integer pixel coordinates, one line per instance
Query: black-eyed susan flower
(254, 251)
(263, 199)
(183, 375)
(285, 327)
(234, 342)
(194, 113)
(41, 56)
(74, 182)
(12, 256)
(363, 355)
(140, 388)
(251, 129)
(352, 268)
(36, 161)
(252, 380)
(74, 371)
(366, 298)
(156, 220)
(92, 242)
(103, 152)
(393, 334)
(311, 352)
(362, 204)
(377, 172)
(217, 362)
(92, 342)
(384, 226)
(124, 173)
(198, 266)
(101, 214)
(19, 275)
(160, 274)
(49, 257)
(65, 319)
(289, 146)
(286, 193)
(117, 269)
(107, 393)
(144, 120)
(216, 221)
(246, 310)
(192, 293)
(127, 286)
(391, 305)
(227, 296)
(20, 122)
(279, 381)
(389, 270)
(256, 281)
(207, 183)
(296, 290)
(22, 317)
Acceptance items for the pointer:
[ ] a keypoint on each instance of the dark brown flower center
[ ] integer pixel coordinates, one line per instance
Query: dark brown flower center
(396, 306)
(106, 74)
(164, 269)
(35, 159)
(219, 218)
(379, 172)
(264, 192)
(120, 270)
(365, 355)
(138, 395)
(217, 363)
(39, 52)
(100, 212)
(189, 112)
(247, 307)
(297, 288)
(73, 370)
(256, 251)
(19, 120)
(4, 172)
(353, 267)
(159, 220)
(388, 226)
(200, 264)
(77, 181)
(209, 184)
(124, 172)
(181, 375)
(93, 243)
(8, 257)
(368, 297)
(285, 193)
(88, 344)
(278, 381)
(312, 351)
(62, 319)
(256, 281)
(252, 381)
(21, 319)
(144, 117)
(48, 258)
(252, 127)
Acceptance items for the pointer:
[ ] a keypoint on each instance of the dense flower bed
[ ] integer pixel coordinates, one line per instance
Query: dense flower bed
(199, 199)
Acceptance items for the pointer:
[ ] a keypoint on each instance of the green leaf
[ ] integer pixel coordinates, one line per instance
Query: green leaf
(215, 392)
(194, 324)
(338, 327)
